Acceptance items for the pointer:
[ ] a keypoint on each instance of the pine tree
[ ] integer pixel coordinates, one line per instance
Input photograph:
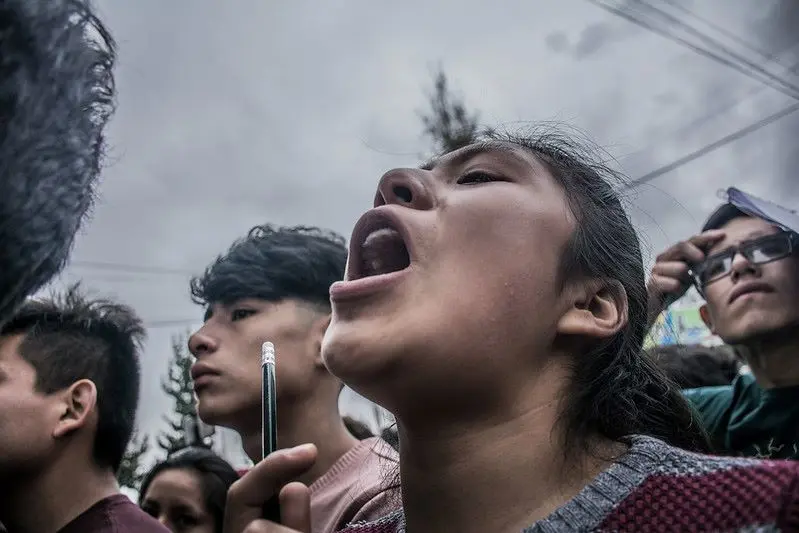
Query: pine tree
(447, 122)
(178, 386)
(132, 469)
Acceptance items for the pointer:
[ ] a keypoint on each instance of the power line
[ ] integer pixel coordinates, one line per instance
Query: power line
(712, 146)
(792, 91)
(720, 46)
(722, 30)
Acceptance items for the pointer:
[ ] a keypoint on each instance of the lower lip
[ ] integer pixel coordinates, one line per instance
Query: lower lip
(360, 288)
(750, 293)
(203, 381)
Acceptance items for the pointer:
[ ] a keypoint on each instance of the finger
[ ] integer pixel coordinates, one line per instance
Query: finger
(691, 253)
(672, 269)
(667, 286)
(707, 239)
(295, 507)
(247, 496)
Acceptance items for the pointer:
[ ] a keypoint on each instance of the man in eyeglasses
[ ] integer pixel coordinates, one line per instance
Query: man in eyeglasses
(747, 270)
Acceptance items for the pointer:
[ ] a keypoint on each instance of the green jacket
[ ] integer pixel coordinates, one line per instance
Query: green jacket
(745, 420)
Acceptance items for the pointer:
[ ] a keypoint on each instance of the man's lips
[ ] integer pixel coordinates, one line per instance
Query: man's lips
(202, 374)
(748, 288)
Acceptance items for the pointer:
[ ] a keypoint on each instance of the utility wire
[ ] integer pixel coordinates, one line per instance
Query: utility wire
(649, 176)
(792, 92)
(720, 46)
(722, 30)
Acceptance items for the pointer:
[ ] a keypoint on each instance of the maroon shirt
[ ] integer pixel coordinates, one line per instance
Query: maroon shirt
(115, 514)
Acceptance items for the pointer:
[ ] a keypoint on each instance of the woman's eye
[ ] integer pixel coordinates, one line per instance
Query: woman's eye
(476, 177)
(238, 314)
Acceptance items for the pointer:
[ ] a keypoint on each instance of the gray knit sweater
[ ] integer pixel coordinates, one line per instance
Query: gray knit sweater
(656, 487)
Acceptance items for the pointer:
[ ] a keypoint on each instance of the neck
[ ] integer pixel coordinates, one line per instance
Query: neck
(49, 502)
(498, 474)
(302, 423)
(773, 359)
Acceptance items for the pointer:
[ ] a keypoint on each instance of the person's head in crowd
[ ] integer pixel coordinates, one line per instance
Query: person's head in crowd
(187, 491)
(69, 389)
(750, 280)
(271, 285)
(747, 270)
(503, 277)
(57, 83)
(694, 366)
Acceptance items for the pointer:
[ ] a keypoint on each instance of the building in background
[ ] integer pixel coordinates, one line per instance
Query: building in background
(681, 324)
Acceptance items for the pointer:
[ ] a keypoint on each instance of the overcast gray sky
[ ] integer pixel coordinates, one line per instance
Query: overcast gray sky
(249, 111)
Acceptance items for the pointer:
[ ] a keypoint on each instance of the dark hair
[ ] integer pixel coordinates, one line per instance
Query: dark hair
(68, 338)
(273, 264)
(391, 436)
(357, 429)
(615, 391)
(56, 96)
(216, 477)
(694, 366)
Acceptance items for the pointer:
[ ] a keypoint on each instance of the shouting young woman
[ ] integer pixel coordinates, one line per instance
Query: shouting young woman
(495, 303)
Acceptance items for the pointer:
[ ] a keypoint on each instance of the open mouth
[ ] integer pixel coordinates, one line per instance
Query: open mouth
(378, 247)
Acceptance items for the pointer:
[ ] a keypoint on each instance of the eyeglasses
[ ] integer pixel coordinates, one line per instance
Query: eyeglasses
(757, 252)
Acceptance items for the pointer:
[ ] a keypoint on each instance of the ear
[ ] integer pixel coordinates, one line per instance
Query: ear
(79, 401)
(597, 309)
(316, 335)
(704, 312)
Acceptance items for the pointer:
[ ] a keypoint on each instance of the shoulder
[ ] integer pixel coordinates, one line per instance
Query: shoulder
(692, 490)
(126, 517)
(363, 485)
(115, 514)
(714, 403)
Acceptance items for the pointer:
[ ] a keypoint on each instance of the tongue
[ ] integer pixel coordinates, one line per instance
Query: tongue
(384, 252)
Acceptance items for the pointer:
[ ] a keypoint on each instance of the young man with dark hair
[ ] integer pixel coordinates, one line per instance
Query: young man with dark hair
(273, 285)
(747, 269)
(69, 388)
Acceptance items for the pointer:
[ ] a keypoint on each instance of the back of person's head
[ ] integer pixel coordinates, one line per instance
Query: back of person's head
(188, 488)
(71, 339)
(275, 263)
(694, 366)
(615, 392)
(56, 96)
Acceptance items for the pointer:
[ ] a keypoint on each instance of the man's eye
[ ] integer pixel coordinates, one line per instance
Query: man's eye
(239, 314)
(477, 176)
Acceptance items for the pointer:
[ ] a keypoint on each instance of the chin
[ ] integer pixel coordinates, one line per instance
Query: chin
(753, 328)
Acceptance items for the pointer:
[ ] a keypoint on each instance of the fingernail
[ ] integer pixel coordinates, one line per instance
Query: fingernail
(302, 449)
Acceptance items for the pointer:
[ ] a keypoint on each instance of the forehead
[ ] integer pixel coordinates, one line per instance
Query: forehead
(180, 482)
(743, 229)
(500, 151)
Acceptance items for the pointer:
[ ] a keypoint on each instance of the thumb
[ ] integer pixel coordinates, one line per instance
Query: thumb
(247, 496)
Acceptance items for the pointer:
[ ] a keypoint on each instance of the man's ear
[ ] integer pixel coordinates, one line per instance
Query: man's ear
(597, 308)
(704, 312)
(316, 335)
(79, 400)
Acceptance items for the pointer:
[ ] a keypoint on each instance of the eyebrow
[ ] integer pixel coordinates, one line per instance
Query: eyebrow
(462, 155)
